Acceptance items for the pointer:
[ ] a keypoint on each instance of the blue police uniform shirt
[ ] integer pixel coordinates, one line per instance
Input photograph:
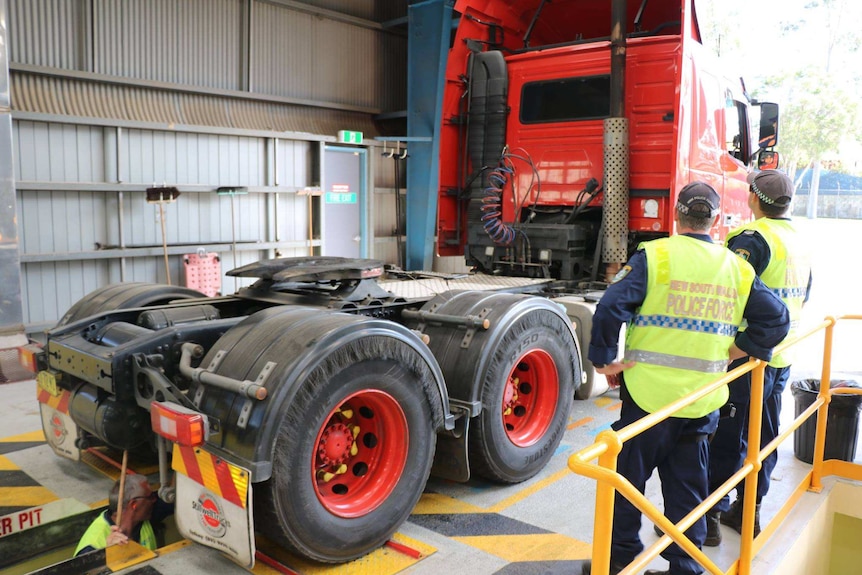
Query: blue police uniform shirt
(767, 316)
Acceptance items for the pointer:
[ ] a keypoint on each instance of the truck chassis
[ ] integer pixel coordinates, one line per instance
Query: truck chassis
(328, 397)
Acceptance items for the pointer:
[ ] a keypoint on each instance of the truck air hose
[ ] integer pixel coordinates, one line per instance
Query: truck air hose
(492, 207)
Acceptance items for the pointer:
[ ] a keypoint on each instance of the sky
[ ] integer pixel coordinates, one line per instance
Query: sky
(760, 37)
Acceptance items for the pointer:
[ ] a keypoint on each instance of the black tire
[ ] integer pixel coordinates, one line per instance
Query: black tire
(585, 390)
(541, 341)
(308, 515)
(125, 296)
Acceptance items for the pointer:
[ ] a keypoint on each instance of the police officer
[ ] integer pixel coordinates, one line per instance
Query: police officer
(684, 299)
(141, 508)
(775, 250)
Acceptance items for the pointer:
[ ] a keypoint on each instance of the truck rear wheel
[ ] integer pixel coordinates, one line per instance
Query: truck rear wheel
(517, 358)
(352, 454)
(526, 397)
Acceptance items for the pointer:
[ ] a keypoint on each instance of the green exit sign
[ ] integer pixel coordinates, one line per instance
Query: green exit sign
(349, 137)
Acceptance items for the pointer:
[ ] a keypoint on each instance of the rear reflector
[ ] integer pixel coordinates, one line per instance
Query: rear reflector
(178, 424)
(27, 355)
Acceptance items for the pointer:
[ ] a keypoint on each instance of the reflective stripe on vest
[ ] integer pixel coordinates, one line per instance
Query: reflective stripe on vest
(687, 324)
(787, 272)
(696, 294)
(677, 361)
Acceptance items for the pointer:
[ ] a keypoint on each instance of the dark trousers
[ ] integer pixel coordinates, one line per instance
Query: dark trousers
(677, 447)
(730, 443)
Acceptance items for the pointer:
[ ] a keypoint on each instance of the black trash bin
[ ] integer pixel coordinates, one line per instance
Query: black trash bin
(842, 424)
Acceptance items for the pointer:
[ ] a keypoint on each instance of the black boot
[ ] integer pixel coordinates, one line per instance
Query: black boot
(733, 517)
(713, 531)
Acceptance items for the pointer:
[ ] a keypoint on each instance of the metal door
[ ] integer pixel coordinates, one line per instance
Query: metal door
(344, 200)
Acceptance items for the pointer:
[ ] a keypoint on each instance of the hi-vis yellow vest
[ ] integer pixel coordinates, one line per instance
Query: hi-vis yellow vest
(787, 272)
(96, 535)
(680, 338)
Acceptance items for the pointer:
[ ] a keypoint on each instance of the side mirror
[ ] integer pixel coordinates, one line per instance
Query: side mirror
(768, 125)
(767, 160)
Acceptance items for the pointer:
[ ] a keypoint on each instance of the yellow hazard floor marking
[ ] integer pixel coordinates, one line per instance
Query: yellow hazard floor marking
(181, 544)
(25, 496)
(7, 465)
(436, 503)
(524, 493)
(579, 423)
(25, 437)
(536, 547)
(382, 561)
(604, 401)
(119, 557)
(264, 569)
(98, 504)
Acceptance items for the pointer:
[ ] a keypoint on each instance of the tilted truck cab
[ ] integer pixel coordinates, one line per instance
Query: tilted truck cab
(525, 162)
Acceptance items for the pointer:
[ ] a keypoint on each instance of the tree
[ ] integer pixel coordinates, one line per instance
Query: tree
(805, 56)
(816, 116)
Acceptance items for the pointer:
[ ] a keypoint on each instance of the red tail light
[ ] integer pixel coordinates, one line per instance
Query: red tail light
(178, 424)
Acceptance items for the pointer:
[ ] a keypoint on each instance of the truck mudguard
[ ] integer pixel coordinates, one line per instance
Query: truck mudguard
(284, 346)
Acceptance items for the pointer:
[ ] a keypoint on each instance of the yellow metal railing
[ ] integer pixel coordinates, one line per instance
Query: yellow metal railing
(609, 444)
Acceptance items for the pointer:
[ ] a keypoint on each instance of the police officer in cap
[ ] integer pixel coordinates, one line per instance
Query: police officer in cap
(774, 248)
(683, 299)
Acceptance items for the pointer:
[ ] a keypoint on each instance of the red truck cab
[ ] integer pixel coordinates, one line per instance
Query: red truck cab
(527, 199)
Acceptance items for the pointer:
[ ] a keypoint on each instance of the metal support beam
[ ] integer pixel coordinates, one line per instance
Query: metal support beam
(116, 252)
(429, 27)
(65, 74)
(11, 309)
(43, 186)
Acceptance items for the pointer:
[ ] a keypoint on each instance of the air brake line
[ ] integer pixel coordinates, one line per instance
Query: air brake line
(492, 204)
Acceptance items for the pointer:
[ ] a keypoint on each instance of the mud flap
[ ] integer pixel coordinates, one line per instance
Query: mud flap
(61, 432)
(214, 503)
(451, 457)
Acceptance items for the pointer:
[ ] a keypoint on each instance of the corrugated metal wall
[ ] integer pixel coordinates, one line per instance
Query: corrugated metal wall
(76, 233)
(207, 43)
(110, 97)
(195, 42)
(305, 56)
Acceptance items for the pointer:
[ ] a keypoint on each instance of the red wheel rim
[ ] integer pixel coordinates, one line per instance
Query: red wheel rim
(530, 398)
(360, 453)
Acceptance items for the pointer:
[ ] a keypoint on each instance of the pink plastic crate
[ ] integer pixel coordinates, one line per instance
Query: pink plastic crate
(203, 272)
